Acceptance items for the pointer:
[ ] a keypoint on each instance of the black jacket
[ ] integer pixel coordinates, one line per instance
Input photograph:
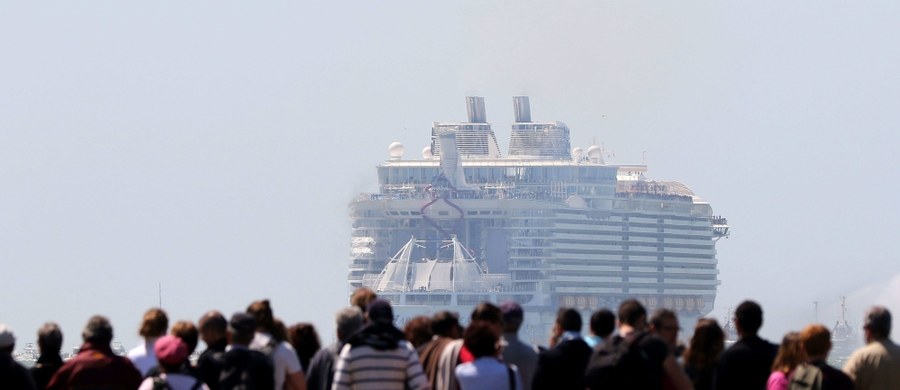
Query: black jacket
(562, 367)
(746, 365)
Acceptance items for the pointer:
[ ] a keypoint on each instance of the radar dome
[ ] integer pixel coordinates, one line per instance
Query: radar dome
(426, 153)
(395, 150)
(595, 154)
(577, 153)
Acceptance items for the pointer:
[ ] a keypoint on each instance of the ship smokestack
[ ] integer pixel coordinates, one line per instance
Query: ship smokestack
(475, 107)
(522, 108)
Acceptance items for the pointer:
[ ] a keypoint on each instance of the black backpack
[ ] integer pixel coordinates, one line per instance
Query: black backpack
(621, 364)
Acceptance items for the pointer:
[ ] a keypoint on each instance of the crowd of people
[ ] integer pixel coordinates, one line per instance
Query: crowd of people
(630, 349)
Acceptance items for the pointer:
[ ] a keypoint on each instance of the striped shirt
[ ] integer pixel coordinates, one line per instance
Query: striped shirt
(364, 367)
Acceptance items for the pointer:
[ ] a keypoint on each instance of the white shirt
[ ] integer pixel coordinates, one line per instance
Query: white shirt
(143, 356)
(283, 357)
(486, 373)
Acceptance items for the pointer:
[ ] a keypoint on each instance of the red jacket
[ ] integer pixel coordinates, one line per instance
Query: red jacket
(96, 366)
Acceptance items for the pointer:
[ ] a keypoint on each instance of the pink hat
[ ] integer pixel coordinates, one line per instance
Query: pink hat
(170, 350)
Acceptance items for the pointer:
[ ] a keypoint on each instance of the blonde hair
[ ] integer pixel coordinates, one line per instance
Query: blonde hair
(790, 354)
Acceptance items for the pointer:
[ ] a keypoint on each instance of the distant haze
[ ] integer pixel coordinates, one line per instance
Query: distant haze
(213, 147)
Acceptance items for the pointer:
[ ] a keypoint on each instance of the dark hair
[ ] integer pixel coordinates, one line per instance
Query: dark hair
(418, 331)
(262, 314)
(242, 327)
(481, 338)
(187, 332)
(486, 311)
(50, 338)
(446, 324)
(305, 340)
(568, 319)
(705, 346)
(878, 322)
(660, 315)
(98, 330)
(749, 317)
(603, 322)
(154, 324)
(213, 321)
(631, 311)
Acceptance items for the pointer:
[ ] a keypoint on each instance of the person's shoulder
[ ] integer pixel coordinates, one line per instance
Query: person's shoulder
(138, 351)
(833, 374)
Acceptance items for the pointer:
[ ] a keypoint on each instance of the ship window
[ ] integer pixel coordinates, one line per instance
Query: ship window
(498, 212)
(471, 213)
(485, 212)
(415, 213)
(404, 213)
(443, 213)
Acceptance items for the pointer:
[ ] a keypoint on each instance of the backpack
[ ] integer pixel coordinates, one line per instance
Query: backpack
(160, 383)
(620, 364)
(806, 377)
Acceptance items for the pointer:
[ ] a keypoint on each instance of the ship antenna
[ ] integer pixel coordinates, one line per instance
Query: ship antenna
(816, 310)
(159, 289)
(844, 309)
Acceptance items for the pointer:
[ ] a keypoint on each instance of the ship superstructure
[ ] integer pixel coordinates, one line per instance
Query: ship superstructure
(564, 227)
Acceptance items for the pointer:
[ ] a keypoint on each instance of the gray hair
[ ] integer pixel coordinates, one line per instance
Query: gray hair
(878, 322)
(98, 330)
(348, 320)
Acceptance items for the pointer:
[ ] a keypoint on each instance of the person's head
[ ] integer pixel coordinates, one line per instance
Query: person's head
(262, 313)
(379, 311)
(241, 328)
(482, 338)
(97, 331)
(362, 297)
(213, 327)
(816, 341)
(748, 318)
(50, 338)
(188, 333)
(348, 320)
(632, 313)
(7, 340)
(486, 311)
(706, 345)
(305, 340)
(171, 352)
(155, 324)
(512, 316)
(664, 323)
(446, 324)
(418, 331)
(603, 323)
(790, 354)
(279, 331)
(567, 320)
(878, 323)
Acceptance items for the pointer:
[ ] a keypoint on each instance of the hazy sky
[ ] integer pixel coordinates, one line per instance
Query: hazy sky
(213, 147)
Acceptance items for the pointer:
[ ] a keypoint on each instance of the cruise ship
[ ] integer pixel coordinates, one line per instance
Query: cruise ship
(547, 225)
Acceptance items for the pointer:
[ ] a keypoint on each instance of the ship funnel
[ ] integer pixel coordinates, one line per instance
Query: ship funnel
(522, 109)
(475, 107)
